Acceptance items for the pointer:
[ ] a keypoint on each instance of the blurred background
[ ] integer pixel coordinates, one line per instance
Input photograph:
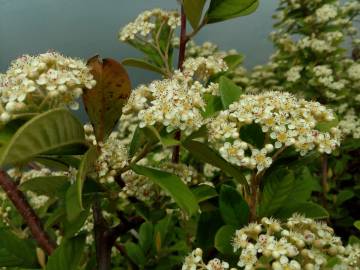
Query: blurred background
(84, 28)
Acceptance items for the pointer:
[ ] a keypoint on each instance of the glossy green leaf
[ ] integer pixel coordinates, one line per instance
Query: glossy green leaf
(309, 209)
(253, 134)
(173, 185)
(204, 192)
(234, 210)
(223, 239)
(221, 10)
(73, 227)
(67, 255)
(233, 60)
(47, 185)
(229, 91)
(343, 196)
(138, 140)
(357, 224)
(213, 105)
(193, 10)
(205, 154)
(104, 102)
(16, 252)
(54, 132)
(209, 223)
(139, 63)
(326, 126)
(304, 184)
(146, 236)
(86, 166)
(135, 253)
(276, 190)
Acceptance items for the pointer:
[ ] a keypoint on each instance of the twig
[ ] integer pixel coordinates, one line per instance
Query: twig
(182, 48)
(27, 212)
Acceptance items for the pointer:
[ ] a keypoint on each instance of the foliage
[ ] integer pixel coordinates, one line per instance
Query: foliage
(208, 160)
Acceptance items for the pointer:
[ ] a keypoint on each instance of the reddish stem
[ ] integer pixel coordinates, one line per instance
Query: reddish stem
(182, 48)
(26, 211)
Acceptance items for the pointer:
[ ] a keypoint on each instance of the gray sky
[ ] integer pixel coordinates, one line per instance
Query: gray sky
(87, 27)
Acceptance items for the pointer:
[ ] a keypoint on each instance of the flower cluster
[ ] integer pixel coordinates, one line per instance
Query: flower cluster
(309, 58)
(176, 103)
(37, 83)
(350, 125)
(285, 120)
(148, 21)
(112, 159)
(299, 243)
(195, 262)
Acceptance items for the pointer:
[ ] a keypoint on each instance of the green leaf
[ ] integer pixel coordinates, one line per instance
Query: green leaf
(221, 10)
(55, 132)
(16, 252)
(173, 185)
(74, 203)
(213, 105)
(104, 102)
(276, 190)
(74, 226)
(223, 239)
(233, 60)
(135, 253)
(193, 10)
(47, 185)
(67, 255)
(161, 230)
(204, 192)
(229, 91)
(234, 210)
(357, 224)
(253, 134)
(304, 184)
(309, 209)
(139, 63)
(137, 141)
(343, 196)
(205, 154)
(208, 224)
(353, 240)
(326, 126)
(146, 236)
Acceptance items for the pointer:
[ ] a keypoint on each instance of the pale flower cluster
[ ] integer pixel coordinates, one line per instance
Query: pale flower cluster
(113, 157)
(194, 261)
(350, 124)
(146, 22)
(285, 120)
(37, 83)
(298, 243)
(293, 74)
(326, 13)
(177, 103)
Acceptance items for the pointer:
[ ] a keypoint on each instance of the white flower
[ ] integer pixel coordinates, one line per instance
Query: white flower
(293, 74)
(146, 22)
(37, 83)
(191, 262)
(248, 257)
(326, 13)
(216, 264)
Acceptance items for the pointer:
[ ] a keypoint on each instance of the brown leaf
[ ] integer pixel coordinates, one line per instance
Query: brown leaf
(104, 102)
